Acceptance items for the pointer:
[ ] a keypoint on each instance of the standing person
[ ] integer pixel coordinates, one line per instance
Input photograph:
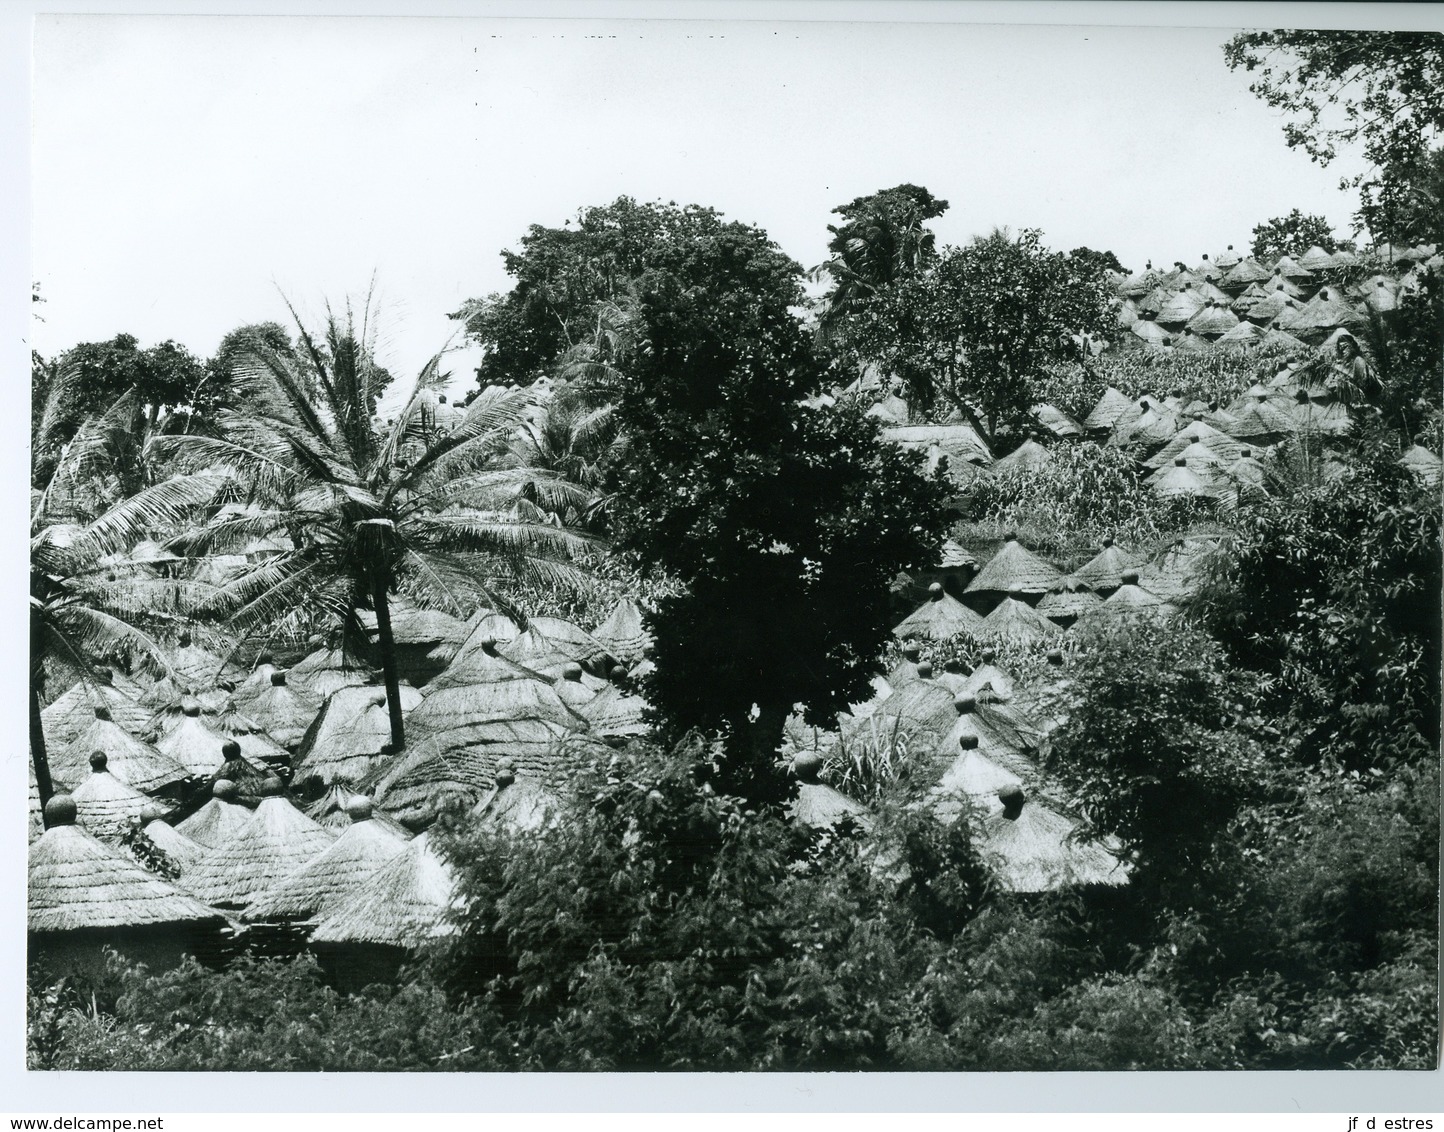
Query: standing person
(1353, 379)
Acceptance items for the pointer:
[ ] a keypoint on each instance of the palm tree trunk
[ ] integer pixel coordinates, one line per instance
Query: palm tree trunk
(37, 748)
(387, 644)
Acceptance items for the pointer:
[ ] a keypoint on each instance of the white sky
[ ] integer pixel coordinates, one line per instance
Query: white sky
(188, 169)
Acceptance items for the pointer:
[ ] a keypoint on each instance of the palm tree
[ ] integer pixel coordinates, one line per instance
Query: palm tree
(84, 606)
(370, 509)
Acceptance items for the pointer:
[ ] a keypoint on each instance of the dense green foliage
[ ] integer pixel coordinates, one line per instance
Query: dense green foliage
(1292, 235)
(1380, 90)
(969, 334)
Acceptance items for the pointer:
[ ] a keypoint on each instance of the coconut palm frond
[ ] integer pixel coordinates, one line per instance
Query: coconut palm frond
(407, 423)
(501, 537)
(86, 631)
(439, 582)
(490, 419)
(165, 505)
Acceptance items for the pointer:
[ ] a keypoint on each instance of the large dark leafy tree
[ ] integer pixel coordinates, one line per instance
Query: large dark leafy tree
(370, 510)
(164, 377)
(1381, 91)
(782, 524)
(565, 276)
(882, 238)
(970, 334)
(1292, 235)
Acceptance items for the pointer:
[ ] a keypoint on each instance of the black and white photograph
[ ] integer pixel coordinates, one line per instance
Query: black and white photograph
(733, 546)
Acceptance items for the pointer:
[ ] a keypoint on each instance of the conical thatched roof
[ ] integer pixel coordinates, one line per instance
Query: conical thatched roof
(137, 764)
(1190, 343)
(1014, 620)
(402, 904)
(989, 675)
(623, 632)
(195, 667)
(179, 849)
(1056, 421)
(570, 639)
(1213, 321)
(1181, 307)
(1106, 413)
(1179, 479)
(1227, 260)
(1150, 332)
(1034, 849)
(1015, 568)
(514, 806)
(1220, 445)
(464, 763)
(959, 442)
(480, 662)
(1241, 337)
(955, 556)
(76, 882)
(1105, 570)
(349, 734)
(1291, 269)
(281, 711)
(74, 712)
(1326, 311)
(1281, 340)
(1198, 459)
(613, 713)
(818, 805)
(448, 709)
(923, 705)
(533, 649)
(1070, 600)
(1138, 284)
(1027, 457)
(973, 774)
(1152, 302)
(326, 671)
(1422, 464)
(219, 820)
(334, 874)
(104, 804)
(940, 617)
(257, 682)
(1316, 259)
(190, 742)
(1252, 294)
(418, 627)
(277, 841)
(1244, 272)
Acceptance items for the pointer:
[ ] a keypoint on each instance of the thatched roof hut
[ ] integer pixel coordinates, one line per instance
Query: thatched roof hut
(1422, 464)
(257, 681)
(940, 617)
(334, 874)
(1105, 414)
(105, 805)
(137, 764)
(959, 442)
(570, 639)
(1181, 307)
(1244, 272)
(1014, 620)
(1035, 849)
(449, 709)
(403, 904)
(989, 675)
(1104, 571)
(277, 841)
(612, 713)
(1056, 421)
(818, 805)
(1316, 259)
(1068, 602)
(480, 662)
(1292, 270)
(1015, 568)
(514, 806)
(1213, 321)
(623, 631)
(193, 666)
(282, 712)
(325, 672)
(1027, 457)
(350, 734)
(179, 849)
(922, 706)
(73, 711)
(77, 882)
(193, 744)
(219, 820)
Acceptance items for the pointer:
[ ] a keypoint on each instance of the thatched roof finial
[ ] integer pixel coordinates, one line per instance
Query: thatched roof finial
(989, 655)
(278, 679)
(912, 650)
(925, 670)
(935, 592)
(224, 789)
(102, 711)
(190, 707)
(572, 671)
(1130, 577)
(270, 787)
(98, 761)
(1012, 798)
(968, 741)
(60, 810)
(359, 808)
(619, 673)
(1055, 656)
(185, 639)
(966, 705)
(505, 771)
